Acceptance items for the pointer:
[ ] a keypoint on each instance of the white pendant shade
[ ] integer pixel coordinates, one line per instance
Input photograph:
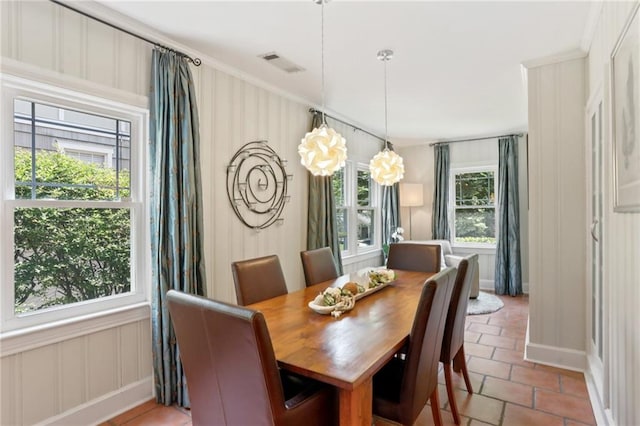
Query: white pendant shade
(386, 167)
(323, 151)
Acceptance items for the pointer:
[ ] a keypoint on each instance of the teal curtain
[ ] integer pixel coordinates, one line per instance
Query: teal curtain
(390, 209)
(508, 274)
(176, 216)
(440, 211)
(322, 230)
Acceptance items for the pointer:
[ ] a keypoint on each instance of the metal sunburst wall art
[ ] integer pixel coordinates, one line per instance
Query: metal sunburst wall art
(257, 185)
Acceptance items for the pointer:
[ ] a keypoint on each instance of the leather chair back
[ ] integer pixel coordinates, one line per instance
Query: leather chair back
(228, 359)
(404, 385)
(454, 328)
(414, 257)
(232, 373)
(425, 343)
(258, 279)
(318, 265)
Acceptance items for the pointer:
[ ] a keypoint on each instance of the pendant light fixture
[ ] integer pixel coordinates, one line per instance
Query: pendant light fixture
(322, 151)
(386, 167)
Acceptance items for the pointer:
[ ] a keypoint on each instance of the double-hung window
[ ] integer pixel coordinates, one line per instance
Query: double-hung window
(73, 209)
(357, 208)
(473, 196)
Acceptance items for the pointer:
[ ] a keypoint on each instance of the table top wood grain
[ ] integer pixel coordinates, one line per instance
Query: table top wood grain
(346, 351)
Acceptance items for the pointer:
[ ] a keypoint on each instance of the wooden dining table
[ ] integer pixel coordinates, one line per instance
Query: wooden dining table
(347, 351)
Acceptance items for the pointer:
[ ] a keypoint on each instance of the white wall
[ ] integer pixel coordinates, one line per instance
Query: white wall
(622, 245)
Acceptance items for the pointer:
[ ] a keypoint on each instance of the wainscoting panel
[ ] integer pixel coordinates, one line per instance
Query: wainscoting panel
(72, 41)
(556, 210)
(486, 264)
(129, 370)
(102, 362)
(73, 359)
(371, 260)
(10, 412)
(45, 382)
(50, 37)
(39, 378)
(35, 27)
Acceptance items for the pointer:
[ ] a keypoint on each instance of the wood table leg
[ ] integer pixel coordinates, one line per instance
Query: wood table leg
(356, 405)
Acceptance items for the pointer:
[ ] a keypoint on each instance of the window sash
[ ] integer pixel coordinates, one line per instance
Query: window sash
(486, 204)
(351, 243)
(136, 129)
(39, 145)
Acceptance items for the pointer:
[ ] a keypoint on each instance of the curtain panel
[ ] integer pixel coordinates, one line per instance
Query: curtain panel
(176, 212)
(440, 212)
(322, 230)
(508, 273)
(390, 212)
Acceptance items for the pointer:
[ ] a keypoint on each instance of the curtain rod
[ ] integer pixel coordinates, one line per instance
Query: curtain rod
(477, 139)
(315, 111)
(194, 61)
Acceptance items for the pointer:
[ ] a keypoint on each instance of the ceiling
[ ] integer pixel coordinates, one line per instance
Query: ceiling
(456, 72)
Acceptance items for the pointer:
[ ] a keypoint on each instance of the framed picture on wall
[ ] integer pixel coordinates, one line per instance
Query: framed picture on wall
(625, 104)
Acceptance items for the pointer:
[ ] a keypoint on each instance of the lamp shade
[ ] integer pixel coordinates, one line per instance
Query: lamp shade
(411, 195)
(386, 167)
(323, 151)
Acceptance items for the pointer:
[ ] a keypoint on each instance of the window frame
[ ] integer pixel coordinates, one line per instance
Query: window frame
(350, 171)
(452, 204)
(15, 87)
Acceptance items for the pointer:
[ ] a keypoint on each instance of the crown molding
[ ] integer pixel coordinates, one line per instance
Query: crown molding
(555, 58)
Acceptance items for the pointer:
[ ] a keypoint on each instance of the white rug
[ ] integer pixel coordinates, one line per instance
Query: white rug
(485, 303)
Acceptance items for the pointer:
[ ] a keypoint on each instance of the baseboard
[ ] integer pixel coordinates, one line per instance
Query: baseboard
(569, 359)
(488, 285)
(107, 406)
(603, 416)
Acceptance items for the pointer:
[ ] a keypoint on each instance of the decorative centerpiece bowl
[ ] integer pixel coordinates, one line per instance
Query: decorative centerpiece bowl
(336, 300)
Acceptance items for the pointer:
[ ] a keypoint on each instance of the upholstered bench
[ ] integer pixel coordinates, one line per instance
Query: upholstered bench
(450, 259)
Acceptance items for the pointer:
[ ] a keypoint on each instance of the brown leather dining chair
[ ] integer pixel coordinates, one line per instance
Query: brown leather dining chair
(453, 338)
(403, 386)
(258, 279)
(318, 265)
(414, 257)
(231, 371)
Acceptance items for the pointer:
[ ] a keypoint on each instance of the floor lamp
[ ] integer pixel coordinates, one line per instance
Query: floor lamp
(411, 196)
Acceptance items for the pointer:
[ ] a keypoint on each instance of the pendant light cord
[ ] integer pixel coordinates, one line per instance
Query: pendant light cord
(324, 120)
(386, 130)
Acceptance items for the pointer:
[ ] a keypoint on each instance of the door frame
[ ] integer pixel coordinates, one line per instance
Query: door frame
(597, 368)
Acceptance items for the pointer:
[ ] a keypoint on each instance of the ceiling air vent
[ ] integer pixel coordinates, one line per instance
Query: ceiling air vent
(278, 61)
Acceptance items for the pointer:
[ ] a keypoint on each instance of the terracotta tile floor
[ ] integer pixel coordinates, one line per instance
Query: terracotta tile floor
(508, 390)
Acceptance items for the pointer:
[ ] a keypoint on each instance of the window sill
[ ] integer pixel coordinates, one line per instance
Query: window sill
(33, 337)
(473, 248)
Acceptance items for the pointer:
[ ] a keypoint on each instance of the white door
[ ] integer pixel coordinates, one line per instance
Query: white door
(597, 338)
